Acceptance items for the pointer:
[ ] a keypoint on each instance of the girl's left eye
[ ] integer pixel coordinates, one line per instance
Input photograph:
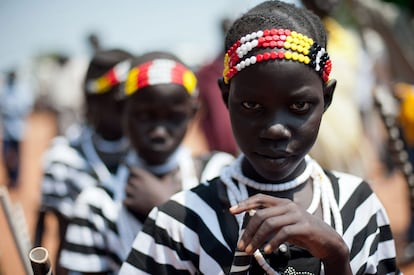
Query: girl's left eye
(251, 105)
(300, 107)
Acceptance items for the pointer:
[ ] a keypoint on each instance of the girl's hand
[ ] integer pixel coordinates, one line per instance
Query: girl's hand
(279, 220)
(144, 190)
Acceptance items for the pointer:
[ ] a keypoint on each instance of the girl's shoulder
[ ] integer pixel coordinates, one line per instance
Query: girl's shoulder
(351, 190)
(209, 165)
(207, 194)
(61, 150)
(345, 179)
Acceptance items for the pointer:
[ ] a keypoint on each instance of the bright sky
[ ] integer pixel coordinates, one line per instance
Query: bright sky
(190, 28)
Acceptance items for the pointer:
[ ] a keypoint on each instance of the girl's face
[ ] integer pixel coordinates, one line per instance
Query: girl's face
(276, 109)
(105, 114)
(156, 120)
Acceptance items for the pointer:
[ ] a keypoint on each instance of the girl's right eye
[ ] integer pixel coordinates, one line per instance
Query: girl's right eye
(251, 106)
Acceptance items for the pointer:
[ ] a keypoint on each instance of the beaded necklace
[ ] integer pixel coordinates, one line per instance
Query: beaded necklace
(322, 194)
(284, 186)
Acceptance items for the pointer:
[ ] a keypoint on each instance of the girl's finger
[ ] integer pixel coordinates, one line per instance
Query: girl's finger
(259, 201)
(264, 227)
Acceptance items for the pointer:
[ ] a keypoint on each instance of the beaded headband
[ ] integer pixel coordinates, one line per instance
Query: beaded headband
(111, 78)
(160, 71)
(297, 47)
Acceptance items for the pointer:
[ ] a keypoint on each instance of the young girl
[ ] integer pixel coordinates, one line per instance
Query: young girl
(161, 100)
(298, 218)
(91, 155)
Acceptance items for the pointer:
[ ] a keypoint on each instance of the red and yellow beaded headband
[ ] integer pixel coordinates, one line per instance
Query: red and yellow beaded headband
(111, 78)
(297, 47)
(160, 71)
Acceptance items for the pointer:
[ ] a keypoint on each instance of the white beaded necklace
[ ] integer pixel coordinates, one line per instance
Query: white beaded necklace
(322, 192)
(238, 175)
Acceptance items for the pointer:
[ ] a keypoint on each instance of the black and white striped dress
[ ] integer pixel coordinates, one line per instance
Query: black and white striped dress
(102, 231)
(194, 233)
(68, 169)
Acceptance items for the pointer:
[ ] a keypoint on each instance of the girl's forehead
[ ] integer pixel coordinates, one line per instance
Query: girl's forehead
(160, 95)
(278, 75)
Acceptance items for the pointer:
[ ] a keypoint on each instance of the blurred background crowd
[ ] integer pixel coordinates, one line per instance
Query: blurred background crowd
(46, 47)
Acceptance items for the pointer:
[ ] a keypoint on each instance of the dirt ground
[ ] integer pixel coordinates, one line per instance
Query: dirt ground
(392, 192)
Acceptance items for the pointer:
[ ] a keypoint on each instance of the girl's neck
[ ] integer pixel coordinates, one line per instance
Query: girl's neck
(101, 144)
(238, 172)
(170, 164)
(249, 171)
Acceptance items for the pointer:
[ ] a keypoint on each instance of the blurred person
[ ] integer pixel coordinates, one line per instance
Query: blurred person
(214, 118)
(66, 93)
(161, 101)
(405, 92)
(90, 153)
(405, 157)
(16, 102)
(386, 28)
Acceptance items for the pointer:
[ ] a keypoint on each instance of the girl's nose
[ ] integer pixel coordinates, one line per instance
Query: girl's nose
(158, 131)
(276, 130)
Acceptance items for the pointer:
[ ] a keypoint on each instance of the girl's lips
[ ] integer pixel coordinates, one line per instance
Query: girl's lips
(280, 158)
(274, 155)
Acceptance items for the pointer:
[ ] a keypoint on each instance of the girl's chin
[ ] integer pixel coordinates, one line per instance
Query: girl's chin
(156, 157)
(275, 169)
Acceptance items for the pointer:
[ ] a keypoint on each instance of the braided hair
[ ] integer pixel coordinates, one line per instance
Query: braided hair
(277, 14)
(275, 24)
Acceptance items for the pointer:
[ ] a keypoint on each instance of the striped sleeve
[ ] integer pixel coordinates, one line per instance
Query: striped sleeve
(183, 236)
(154, 251)
(86, 246)
(215, 164)
(65, 174)
(367, 230)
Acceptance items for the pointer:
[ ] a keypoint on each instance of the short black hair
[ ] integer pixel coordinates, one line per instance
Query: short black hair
(149, 56)
(277, 15)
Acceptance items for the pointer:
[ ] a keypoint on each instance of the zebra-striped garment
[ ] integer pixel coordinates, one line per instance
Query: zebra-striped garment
(68, 169)
(102, 231)
(194, 233)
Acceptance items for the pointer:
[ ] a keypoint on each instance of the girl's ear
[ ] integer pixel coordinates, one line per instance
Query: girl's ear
(328, 91)
(225, 89)
(195, 106)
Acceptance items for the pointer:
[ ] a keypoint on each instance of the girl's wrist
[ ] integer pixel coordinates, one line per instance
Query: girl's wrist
(338, 263)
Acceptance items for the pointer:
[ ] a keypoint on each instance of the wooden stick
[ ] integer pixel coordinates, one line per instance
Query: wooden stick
(15, 228)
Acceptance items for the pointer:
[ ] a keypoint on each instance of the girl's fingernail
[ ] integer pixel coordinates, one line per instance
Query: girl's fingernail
(268, 249)
(240, 245)
(249, 249)
(234, 207)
